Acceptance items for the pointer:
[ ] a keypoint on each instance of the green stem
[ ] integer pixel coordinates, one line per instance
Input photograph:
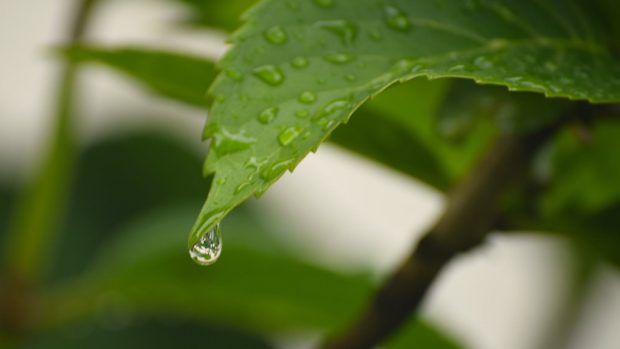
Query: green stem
(37, 217)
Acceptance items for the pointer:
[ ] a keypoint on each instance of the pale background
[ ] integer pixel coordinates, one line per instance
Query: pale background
(347, 211)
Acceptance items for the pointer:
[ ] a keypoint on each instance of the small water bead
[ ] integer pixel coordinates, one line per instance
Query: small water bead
(483, 62)
(289, 135)
(301, 113)
(307, 97)
(350, 77)
(270, 74)
(345, 29)
(226, 142)
(376, 34)
(272, 172)
(339, 58)
(324, 3)
(208, 249)
(396, 18)
(267, 115)
(241, 187)
(221, 181)
(275, 35)
(234, 74)
(332, 107)
(299, 62)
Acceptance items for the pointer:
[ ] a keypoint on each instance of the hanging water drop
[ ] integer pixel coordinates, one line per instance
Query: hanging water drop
(270, 74)
(275, 35)
(396, 18)
(208, 249)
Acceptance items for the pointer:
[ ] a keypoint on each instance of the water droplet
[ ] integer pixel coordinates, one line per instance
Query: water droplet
(376, 34)
(267, 115)
(275, 35)
(301, 113)
(272, 172)
(269, 74)
(221, 181)
(483, 62)
(350, 77)
(396, 18)
(241, 187)
(234, 74)
(299, 62)
(226, 142)
(332, 107)
(345, 29)
(208, 249)
(288, 135)
(339, 58)
(307, 97)
(324, 3)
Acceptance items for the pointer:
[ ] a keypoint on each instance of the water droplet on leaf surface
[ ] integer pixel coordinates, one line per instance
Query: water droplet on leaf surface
(275, 35)
(288, 135)
(270, 74)
(267, 115)
(307, 97)
(299, 62)
(208, 249)
(339, 58)
(345, 29)
(396, 18)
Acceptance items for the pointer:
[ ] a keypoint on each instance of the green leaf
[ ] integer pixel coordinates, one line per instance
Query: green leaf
(257, 285)
(123, 331)
(182, 77)
(216, 14)
(298, 69)
(584, 173)
(466, 103)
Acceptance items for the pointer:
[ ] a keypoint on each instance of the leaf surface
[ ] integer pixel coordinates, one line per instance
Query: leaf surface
(298, 69)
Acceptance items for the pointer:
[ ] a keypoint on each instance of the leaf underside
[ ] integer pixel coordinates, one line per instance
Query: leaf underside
(298, 69)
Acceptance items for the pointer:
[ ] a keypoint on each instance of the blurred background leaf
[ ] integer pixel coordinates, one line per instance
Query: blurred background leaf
(225, 15)
(180, 76)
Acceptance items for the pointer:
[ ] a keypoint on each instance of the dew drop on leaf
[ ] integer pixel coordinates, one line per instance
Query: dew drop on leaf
(234, 74)
(307, 97)
(226, 142)
(299, 62)
(288, 135)
(267, 115)
(275, 35)
(350, 77)
(344, 29)
(396, 18)
(270, 74)
(208, 249)
(339, 58)
(301, 113)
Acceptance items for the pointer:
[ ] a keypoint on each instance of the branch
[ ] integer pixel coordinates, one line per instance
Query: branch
(472, 212)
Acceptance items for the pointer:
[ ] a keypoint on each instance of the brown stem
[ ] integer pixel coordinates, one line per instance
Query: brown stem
(472, 211)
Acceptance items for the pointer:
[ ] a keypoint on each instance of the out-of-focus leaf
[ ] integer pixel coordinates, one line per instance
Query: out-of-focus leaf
(255, 285)
(467, 102)
(138, 333)
(585, 169)
(182, 77)
(391, 144)
(419, 334)
(118, 179)
(216, 13)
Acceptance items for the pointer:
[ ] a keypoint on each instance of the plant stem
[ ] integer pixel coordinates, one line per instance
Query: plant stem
(38, 214)
(472, 212)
